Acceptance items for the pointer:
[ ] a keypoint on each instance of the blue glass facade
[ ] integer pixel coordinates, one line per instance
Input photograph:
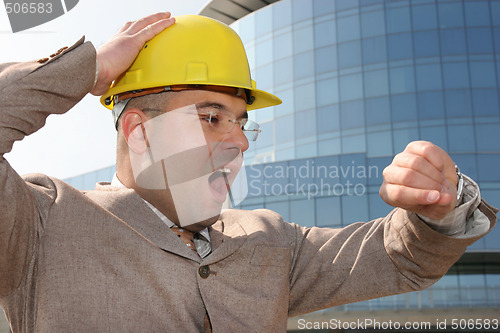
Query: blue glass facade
(359, 81)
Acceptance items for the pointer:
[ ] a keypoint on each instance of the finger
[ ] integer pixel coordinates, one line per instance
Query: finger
(407, 197)
(153, 29)
(125, 26)
(429, 151)
(420, 164)
(142, 23)
(410, 178)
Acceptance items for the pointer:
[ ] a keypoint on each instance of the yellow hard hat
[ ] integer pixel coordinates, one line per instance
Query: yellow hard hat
(196, 51)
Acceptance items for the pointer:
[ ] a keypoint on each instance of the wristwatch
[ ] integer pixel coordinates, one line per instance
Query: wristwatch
(460, 186)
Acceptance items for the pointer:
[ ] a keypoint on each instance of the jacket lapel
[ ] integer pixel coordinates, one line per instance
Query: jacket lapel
(226, 236)
(131, 209)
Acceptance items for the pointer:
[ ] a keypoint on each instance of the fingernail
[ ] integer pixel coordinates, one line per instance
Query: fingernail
(433, 196)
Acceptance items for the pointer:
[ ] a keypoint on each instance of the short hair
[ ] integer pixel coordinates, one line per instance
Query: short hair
(152, 105)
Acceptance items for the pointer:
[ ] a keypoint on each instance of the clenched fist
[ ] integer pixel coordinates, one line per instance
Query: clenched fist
(421, 179)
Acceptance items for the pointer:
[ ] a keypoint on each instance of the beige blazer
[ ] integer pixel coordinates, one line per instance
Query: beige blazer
(102, 261)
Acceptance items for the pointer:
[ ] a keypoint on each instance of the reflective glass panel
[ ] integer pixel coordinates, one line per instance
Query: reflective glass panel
(398, 19)
(283, 71)
(283, 46)
(426, 44)
(461, 138)
(430, 105)
(374, 50)
(354, 207)
(285, 129)
(376, 83)
(328, 211)
(282, 14)
(352, 115)
(325, 33)
(351, 87)
(325, 59)
(429, 77)
(450, 15)
(485, 102)
(301, 10)
(424, 17)
(349, 54)
(477, 13)
(348, 28)
(404, 108)
(400, 46)
(378, 110)
(402, 80)
(321, 7)
(305, 124)
(303, 39)
(482, 74)
(458, 103)
(379, 144)
(303, 65)
(372, 24)
(327, 92)
(305, 97)
(456, 75)
(436, 135)
(328, 119)
(488, 138)
(263, 22)
(488, 166)
(479, 40)
(453, 42)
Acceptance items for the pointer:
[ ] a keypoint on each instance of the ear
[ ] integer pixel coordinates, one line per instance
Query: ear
(132, 124)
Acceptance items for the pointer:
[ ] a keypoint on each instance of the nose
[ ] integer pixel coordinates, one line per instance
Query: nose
(238, 138)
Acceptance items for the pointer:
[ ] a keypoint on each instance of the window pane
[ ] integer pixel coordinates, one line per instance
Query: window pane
(328, 212)
(376, 83)
(372, 24)
(354, 208)
(352, 115)
(263, 23)
(264, 52)
(477, 13)
(479, 40)
(304, 97)
(398, 19)
(430, 105)
(328, 119)
(461, 138)
(305, 124)
(301, 10)
(351, 87)
(325, 59)
(404, 108)
(266, 137)
(400, 46)
(303, 65)
(302, 212)
(349, 54)
(374, 50)
(424, 17)
(402, 137)
(283, 71)
(280, 208)
(348, 28)
(426, 44)
(264, 75)
(283, 46)
(325, 33)
(285, 129)
(453, 42)
(402, 80)
(436, 135)
(485, 102)
(495, 12)
(379, 144)
(456, 75)
(327, 92)
(247, 29)
(458, 103)
(303, 39)
(450, 15)
(322, 7)
(282, 14)
(377, 111)
(488, 137)
(488, 167)
(429, 77)
(482, 74)
(346, 4)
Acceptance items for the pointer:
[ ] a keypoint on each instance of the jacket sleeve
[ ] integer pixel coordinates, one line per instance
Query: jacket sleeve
(387, 256)
(29, 93)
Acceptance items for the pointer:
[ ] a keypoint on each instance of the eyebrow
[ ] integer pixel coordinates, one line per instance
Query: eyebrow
(218, 106)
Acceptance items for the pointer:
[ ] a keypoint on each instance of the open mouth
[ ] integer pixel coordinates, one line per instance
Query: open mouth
(219, 184)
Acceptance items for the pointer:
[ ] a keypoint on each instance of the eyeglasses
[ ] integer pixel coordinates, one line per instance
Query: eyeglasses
(223, 123)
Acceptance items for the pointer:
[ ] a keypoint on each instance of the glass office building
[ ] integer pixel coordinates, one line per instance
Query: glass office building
(359, 81)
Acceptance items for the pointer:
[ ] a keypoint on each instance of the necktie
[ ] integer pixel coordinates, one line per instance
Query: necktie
(186, 236)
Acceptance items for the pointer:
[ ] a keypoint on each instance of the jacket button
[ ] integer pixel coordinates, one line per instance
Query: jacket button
(204, 271)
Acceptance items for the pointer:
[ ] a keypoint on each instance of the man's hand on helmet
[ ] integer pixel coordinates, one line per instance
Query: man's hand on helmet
(117, 54)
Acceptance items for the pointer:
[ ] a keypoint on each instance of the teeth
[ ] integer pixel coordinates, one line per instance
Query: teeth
(225, 170)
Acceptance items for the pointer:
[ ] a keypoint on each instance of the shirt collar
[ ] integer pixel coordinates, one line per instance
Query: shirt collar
(117, 183)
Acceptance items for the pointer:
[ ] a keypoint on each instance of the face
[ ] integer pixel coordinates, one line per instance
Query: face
(191, 156)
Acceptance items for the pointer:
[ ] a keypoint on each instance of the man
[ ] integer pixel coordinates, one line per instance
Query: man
(113, 259)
